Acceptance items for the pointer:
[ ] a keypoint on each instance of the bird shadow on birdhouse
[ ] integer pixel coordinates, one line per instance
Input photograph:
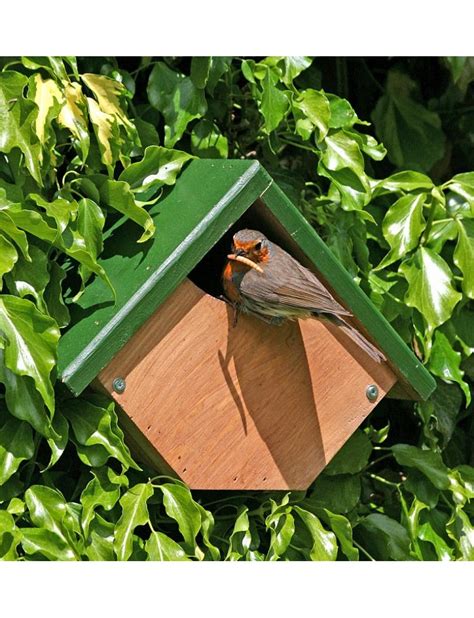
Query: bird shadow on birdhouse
(250, 406)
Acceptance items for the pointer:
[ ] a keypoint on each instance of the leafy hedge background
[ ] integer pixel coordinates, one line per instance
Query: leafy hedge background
(84, 140)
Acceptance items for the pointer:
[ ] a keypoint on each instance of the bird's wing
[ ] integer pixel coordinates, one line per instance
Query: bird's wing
(286, 283)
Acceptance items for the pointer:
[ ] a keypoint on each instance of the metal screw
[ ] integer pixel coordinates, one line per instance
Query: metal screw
(118, 385)
(372, 392)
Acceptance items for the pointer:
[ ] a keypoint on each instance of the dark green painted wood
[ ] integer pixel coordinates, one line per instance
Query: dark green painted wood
(209, 197)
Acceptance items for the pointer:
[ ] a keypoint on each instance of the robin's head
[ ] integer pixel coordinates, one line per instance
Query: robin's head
(252, 245)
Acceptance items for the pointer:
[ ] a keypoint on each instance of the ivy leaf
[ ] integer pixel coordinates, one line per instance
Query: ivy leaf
(293, 66)
(53, 296)
(342, 151)
(103, 490)
(340, 493)
(342, 528)
(49, 544)
(352, 457)
(240, 537)
(109, 94)
(49, 510)
(200, 67)
(48, 98)
(274, 104)
(23, 400)
(402, 227)
(9, 537)
(429, 287)
(159, 166)
(30, 340)
(427, 534)
(177, 98)
(17, 116)
(180, 506)
(134, 513)
(314, 106)
(97, 432)
(16, 445)
(464, 255)
(8, 257)
(324, 542)
(412, 134)
(163, 548)
(58, 439)
(10, 230)
(106, 132)
(385, 538)
(463, 185)
(427, 462)
(445, 363)
(208, 142)
(30, 278)
(117, 195)
(73, 116)
(100, 541)
(407, 180)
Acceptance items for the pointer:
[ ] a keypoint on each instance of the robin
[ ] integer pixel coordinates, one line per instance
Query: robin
(262, 279)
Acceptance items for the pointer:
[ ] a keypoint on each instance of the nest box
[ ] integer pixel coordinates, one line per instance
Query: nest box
(255, 406)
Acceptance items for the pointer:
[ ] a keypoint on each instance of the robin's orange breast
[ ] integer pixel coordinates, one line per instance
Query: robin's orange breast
(229, 277)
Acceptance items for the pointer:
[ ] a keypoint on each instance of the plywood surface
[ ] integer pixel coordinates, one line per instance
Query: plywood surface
(251, 407)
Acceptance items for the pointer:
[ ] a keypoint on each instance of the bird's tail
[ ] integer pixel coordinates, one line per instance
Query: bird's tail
(361, 341)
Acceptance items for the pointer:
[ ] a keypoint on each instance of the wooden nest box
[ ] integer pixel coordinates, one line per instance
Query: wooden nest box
(257, 406)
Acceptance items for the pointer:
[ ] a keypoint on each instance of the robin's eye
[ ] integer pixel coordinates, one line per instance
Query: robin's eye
(258, 246)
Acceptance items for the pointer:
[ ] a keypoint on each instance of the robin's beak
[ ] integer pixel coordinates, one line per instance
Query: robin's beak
(239, 256)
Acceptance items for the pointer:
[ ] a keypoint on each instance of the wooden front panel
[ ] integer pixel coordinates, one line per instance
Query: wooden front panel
(251, 407)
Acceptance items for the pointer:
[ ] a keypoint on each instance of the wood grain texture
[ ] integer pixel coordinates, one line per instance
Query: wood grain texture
(251, 407)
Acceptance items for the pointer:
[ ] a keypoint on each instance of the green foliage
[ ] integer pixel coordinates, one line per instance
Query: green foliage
(84, 142)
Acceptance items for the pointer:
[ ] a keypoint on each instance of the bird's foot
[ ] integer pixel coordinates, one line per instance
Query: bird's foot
(234, 309)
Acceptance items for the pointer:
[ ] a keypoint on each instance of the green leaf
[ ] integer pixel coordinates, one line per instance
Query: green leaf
(429, 287)
(412, 134)
(428, 463)
(343, 115)
(324, 542)
(461, 530)
(180, 506)
(200, 67)
(49, 544)
(342, 151)
(134, 513)
(100, 542)
(161, 547)
(427, 534)
(274, 104)
(464, 255)
(177, 98)
(109, 94)
(9, 537)
(293, 66)
(445, 363)
(58, 439)
(352, 457)
(406, 181)
(463, 185)
(103, 490)
(159, 166)
(97, 432)
(23, 400)
(338, 493)
(16, 445)
(30, 278)
(315, 108)
(384, 537)
(10, 230)
(342, 528)
(208, 142)
(402, 227)
(8, 257)
(117, 195)
(17, 116)
(53, 295)
(29, 340)
(49, 510)
(219, 66)
(240, 537)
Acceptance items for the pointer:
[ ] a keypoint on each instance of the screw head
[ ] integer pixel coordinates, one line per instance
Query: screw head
(372, 392)
(119, 385)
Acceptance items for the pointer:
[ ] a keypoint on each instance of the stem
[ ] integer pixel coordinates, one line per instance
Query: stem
(376, 477)
(297, 144)
(364, 551)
